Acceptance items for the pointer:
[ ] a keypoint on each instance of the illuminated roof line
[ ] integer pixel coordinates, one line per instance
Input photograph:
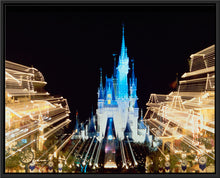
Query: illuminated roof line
(22, 136)
(16, 71)
(61, 146)
(56, 120)
(27, 93)
(197, 72)
(205, 50)
(193, 80)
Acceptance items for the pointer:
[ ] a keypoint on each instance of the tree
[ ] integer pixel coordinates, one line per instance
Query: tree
(174, 159)
(13, 162)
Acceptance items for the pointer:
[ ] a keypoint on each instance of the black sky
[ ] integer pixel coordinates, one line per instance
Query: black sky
(69, 44)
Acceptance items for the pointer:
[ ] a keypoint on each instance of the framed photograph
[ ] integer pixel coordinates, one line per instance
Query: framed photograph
(109, 88)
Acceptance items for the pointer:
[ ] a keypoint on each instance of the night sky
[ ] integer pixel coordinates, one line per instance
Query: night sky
(69, 44)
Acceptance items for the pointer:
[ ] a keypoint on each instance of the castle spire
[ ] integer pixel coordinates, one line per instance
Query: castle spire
(123, 38)
(123, 47)
(101, 86)
(100, 91)
(133, 76)
(114, 71)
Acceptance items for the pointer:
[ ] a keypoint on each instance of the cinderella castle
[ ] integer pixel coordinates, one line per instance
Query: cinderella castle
(117, 115)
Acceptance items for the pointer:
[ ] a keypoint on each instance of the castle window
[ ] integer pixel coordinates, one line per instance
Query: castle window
(109, 98)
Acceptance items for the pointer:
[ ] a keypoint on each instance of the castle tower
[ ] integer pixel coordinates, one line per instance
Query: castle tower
(122, 71)
(117, 101)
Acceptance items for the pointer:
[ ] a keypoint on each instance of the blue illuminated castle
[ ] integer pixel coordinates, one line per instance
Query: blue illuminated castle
(117, 102)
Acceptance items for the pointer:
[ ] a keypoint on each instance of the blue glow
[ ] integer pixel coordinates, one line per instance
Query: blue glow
(24, 140)
(122, 70)
(110, 128)
(81, 168)
(85, 168)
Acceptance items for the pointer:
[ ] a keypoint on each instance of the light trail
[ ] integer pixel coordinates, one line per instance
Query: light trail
(56, 119)
(90, 162)
(126, 153)
(84, 162)
(95, 164)
(42, 127)
(99, 153)
(188, 142)
(72, 150)
(55, 128)
(19, 82)
(20, 149)
(48, 150)
(87, 143)
(123, 155)
(21, 136)
(135, 162)
(196, 148)
(28, 126)
(161, 151)
(63, 144)
(7, 108)
(81, 147)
